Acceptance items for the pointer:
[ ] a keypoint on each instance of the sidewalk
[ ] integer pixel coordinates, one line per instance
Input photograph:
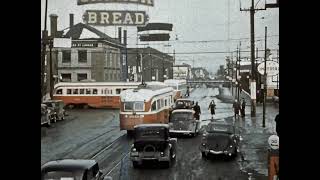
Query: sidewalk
(254, 147)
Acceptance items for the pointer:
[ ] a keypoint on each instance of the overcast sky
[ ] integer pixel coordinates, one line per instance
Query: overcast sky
(193, 20)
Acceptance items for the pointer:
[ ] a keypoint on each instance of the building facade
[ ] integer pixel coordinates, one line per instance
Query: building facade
(149, 64)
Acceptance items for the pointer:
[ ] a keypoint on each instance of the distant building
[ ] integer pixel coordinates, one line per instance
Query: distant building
(156, 65)
(92, 56)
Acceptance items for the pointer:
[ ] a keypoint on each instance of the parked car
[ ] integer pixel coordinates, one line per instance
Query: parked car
(58, 108)
(219, 138)
(153, 142)
(182, 121)
(73, 169)
(45, 115)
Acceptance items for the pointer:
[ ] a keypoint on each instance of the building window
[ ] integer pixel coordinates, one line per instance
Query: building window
(66, 77)
(66, 56)
(118, 91)
(82, 56)
(82, 76)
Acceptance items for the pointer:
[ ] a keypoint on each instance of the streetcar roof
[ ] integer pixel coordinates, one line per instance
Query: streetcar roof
(86, 84)
(144, 94)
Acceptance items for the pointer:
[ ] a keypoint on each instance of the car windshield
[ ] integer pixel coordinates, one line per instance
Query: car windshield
(181, 116)
(150, 134)
(63, 175)
(219, 128)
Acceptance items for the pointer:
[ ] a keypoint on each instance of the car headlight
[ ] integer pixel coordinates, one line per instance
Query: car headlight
(203, 144)
(161, 153)
(230, 146)
(134, 149)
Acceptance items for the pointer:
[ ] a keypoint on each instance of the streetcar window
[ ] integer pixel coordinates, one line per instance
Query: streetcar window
(166, 102)
(161, 103)
(118, 91)
(158, 104)
(68, 91)
(128, 106)
(153, 107)
(75, 91)
(59, 91)
(94, 91)
(88, 91)
(138, 106)
(81, 91)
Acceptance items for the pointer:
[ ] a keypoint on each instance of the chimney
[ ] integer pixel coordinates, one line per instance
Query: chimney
(119, 34)
(53, 24)
(71, 20)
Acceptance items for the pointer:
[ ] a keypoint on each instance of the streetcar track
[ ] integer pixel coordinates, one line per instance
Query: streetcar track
(105, 148)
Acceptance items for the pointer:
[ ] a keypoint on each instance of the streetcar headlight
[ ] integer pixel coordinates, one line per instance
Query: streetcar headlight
(126, 116)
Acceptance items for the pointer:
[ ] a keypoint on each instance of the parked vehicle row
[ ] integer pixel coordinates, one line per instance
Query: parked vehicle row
(52, 111)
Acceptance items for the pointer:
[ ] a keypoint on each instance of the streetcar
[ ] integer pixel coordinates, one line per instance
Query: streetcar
(147, 104)
(91, 94)
(180, 87)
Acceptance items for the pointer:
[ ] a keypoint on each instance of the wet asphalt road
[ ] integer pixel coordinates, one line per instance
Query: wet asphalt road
(95, 134)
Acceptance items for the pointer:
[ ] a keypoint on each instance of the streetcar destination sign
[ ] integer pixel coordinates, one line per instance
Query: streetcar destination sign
(142, 2)
(109, 18)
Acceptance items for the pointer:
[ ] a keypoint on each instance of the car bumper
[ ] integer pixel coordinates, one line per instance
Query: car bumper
(141, 158)
(184, 132)
(207, 151)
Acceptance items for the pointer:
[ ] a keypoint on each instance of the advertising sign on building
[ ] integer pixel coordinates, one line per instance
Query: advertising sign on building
(109, 18)
(272, 68)
(62, 42)
(142, 2)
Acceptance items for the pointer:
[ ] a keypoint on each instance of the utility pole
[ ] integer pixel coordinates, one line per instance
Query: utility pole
(44, 49)
(253, 72)
(51, 79)
(239, 84)
(265, 80)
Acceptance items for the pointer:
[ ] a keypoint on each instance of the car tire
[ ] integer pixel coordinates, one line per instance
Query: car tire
(135, 164)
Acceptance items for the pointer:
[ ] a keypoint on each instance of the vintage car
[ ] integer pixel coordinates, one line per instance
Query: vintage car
(219, 138)
(45, 115)
(58, 108)
(183, 104)
(71, 169)
(182, 121)
(153, 143)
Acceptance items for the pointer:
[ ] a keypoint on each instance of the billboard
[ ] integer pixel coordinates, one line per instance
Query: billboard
(156, 26)
(142, 2)
(109, 18)
(154, 37)
(180, 72)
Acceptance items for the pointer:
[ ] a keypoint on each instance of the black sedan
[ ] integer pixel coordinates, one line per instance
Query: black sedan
(219, 139)
(71, 169)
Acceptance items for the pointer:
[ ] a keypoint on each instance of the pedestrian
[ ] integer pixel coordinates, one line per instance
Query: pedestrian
(212, 107)
(236, 108)
(243, 107)
(277, 124)
(197, 110)
(188, 91)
